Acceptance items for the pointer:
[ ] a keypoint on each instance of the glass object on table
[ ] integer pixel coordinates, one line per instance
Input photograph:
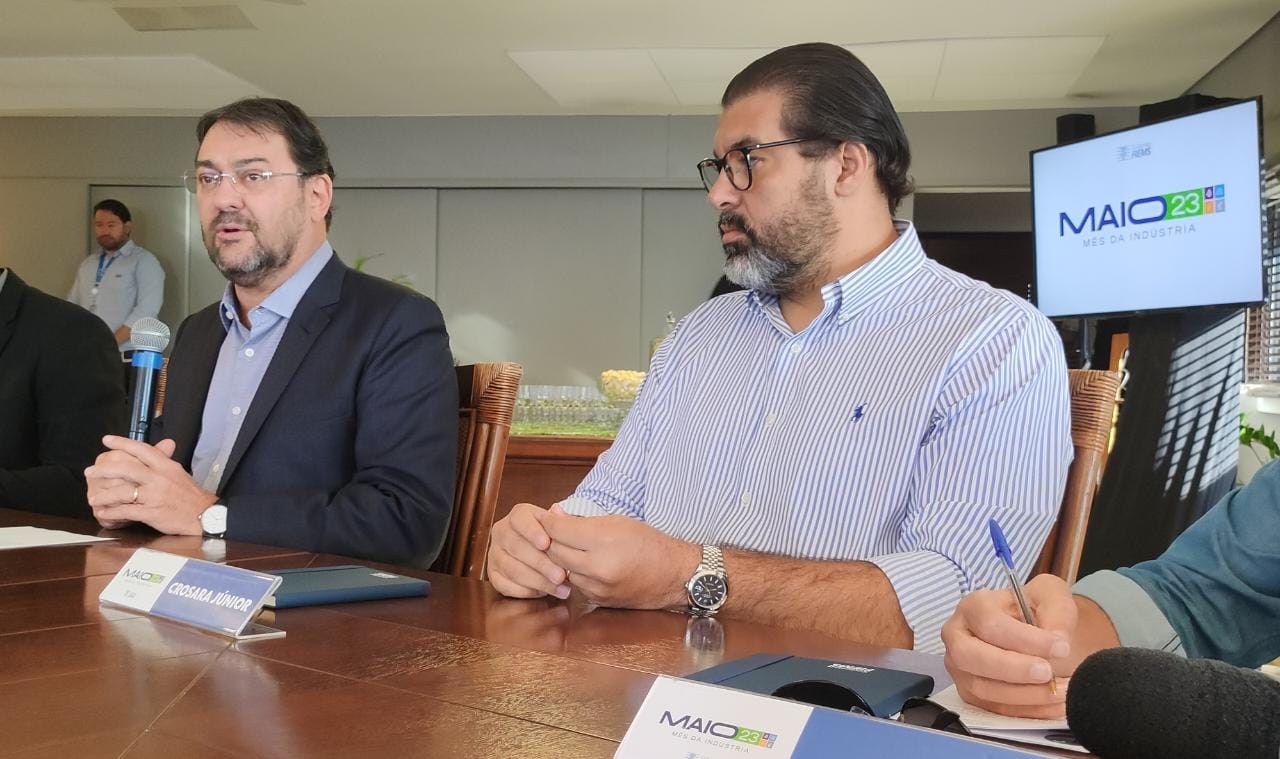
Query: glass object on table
(566, 410)
(655, 342)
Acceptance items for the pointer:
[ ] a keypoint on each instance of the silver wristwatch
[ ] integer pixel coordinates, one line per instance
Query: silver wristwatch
(709, 586)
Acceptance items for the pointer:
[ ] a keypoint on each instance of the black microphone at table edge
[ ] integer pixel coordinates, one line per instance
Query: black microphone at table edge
(149, 337)
(1134, 703)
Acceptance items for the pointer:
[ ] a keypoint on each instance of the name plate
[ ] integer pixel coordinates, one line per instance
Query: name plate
(213, 597)
(683, 719)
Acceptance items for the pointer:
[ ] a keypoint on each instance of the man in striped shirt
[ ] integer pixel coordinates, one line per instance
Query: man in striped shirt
(824, 449)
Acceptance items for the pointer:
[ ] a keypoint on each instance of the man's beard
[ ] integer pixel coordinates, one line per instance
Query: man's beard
(112, 243)
(262, 260)
(790, 254)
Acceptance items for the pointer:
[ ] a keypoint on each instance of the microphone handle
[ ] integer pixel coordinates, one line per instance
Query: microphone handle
(146, 365)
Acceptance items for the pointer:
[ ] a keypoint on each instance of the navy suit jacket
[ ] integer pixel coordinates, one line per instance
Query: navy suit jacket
(349, 445)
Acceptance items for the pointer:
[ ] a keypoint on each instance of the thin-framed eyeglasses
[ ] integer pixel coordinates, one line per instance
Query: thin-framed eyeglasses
(244, 181)
(737, 164)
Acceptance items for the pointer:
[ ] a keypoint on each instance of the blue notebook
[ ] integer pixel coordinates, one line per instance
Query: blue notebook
(316, 586)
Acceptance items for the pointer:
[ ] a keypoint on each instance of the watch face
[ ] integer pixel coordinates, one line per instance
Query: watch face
(708, 591)
(214, 519)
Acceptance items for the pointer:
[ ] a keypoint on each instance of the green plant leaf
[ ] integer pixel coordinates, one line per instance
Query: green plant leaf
(1250, 435)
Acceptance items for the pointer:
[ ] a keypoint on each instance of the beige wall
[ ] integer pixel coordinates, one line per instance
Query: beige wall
(463, 203)
(48, 164)
(44, 229)
(1253, 69)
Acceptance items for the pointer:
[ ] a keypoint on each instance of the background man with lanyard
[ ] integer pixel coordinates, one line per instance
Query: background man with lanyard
(124, 282)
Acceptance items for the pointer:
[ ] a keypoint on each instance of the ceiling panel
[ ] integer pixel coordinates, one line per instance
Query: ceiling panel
(1014, 68)
(394, 57)
(100, 83)
(596, 77)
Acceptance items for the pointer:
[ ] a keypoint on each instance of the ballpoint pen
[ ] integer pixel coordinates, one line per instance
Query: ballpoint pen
(1006, 560)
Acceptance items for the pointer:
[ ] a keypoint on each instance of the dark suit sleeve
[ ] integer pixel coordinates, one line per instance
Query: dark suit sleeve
(398, 504)
(79, 397)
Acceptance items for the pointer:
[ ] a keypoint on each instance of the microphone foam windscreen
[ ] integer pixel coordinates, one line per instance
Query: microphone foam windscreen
(149, 334)
(1133, 703)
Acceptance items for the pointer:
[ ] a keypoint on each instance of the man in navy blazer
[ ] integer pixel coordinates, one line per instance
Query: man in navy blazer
(314, 407)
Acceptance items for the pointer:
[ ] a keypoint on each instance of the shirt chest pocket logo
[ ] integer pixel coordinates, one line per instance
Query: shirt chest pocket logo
(935, 428)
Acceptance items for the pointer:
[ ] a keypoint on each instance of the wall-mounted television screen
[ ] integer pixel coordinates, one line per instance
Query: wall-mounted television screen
(1158, 217)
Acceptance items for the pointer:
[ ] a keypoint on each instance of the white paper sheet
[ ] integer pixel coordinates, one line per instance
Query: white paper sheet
(1061, 739)
(1039, 732)
(35, 537)
(977, 717)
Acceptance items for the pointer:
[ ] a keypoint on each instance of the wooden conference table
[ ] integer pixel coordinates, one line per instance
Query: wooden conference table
(461, 673)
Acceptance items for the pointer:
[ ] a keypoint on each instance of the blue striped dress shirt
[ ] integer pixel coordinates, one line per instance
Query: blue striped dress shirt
(916, 406)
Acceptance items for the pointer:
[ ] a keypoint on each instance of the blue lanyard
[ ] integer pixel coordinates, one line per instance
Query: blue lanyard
(104, 263)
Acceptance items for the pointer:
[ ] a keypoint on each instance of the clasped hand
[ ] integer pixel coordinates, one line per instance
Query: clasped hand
(135, 482)
(612, 560)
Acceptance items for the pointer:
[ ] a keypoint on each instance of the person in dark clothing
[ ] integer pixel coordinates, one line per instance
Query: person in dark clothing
(60, 392)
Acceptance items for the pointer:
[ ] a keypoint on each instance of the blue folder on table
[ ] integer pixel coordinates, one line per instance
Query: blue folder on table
(882, 689)
(316, 586)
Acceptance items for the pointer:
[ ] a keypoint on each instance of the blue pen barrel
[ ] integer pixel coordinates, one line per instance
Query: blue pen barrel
(1006, 559)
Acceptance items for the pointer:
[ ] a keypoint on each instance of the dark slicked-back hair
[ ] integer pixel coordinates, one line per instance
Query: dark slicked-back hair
(832, 96)
(264, 116)
(113, 206)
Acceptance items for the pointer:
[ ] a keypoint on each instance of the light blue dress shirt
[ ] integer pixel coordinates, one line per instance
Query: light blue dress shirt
(243, 360)
(132, 286)
(919, 404)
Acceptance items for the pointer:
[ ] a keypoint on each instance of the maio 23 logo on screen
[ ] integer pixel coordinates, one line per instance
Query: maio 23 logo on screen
(1171, 206)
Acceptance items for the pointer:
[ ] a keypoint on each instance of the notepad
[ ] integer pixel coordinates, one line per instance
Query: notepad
(317, 586)
(1038, 732)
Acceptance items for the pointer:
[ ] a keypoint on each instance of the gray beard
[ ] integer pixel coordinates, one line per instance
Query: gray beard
(260, 264)
(806, 233)
(750, 267)
(262, 260)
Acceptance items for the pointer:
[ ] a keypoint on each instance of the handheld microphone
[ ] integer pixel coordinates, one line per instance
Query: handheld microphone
(1133, 703)
(149, 337)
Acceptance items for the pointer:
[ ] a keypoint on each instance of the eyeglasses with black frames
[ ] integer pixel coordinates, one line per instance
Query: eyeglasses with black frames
(737, 164)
